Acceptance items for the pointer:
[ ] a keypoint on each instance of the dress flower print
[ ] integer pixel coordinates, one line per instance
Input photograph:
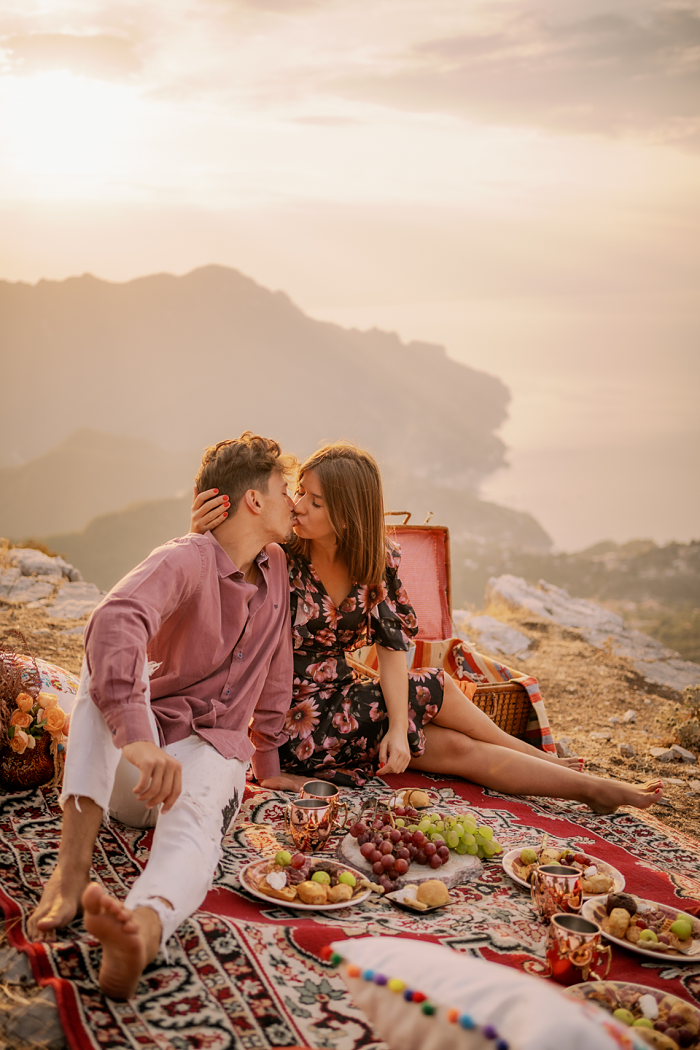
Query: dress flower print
(338, 717)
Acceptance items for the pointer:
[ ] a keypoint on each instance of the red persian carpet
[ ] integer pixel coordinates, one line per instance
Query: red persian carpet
(241, 973)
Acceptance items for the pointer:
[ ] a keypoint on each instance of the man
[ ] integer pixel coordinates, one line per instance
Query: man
(207, 618)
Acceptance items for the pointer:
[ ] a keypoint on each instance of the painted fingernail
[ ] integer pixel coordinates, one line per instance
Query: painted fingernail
(226, 514)
(216, 491)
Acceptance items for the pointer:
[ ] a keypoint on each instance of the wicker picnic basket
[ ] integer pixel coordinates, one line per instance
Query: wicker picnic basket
(507, 704)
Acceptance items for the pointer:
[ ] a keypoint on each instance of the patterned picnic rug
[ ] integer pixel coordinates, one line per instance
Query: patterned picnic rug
(241, 973)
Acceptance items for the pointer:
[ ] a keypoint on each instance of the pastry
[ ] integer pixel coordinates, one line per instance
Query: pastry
(341, 892)
(286, 893)
(312, 892)
(433, 893)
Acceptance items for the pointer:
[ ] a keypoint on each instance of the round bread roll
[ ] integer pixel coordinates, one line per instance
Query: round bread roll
(341, 892)
(433, 893)
(312, 892)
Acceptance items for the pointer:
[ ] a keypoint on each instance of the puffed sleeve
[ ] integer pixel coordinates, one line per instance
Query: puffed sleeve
(392, 621)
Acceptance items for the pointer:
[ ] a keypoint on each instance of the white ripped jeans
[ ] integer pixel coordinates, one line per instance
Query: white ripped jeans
(187, 839)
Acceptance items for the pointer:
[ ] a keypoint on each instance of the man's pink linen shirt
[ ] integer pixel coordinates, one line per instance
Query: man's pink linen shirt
(219, 649)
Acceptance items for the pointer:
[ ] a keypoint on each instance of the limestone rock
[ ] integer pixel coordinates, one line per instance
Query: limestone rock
(662, 754)
(600, 736)
(627, 751)
(74, 600)
(598, 626)
(492, 634)
(27, 589)
(37, 1022)
(35, 563)
(683, 754)
(563, 749)
(629, 716)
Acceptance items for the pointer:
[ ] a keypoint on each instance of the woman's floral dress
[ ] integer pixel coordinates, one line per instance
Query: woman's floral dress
(338, 717)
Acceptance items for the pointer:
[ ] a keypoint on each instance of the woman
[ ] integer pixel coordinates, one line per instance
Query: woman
(345, 594)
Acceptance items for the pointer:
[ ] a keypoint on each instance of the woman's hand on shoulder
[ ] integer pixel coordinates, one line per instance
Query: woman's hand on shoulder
(394, 752)
(209, 509)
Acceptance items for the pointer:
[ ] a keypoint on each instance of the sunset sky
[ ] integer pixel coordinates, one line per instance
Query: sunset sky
(518, 181)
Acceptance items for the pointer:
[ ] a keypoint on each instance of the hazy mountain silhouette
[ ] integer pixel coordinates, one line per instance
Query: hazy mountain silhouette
(113, 543)
(185, 361)
(87, 474)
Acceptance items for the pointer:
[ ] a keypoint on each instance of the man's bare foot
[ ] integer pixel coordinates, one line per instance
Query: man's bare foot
(59, 904)
(123, 944)
(610, 794)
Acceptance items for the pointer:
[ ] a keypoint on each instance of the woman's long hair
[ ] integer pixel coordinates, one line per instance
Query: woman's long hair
(352, 491)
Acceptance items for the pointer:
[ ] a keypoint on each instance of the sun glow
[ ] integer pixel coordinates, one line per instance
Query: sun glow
(63, 132)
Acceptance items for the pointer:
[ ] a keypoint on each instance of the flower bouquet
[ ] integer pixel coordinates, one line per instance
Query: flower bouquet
(33, 728)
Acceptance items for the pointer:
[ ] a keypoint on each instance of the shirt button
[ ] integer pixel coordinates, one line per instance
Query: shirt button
(228, 691)
(240, 656)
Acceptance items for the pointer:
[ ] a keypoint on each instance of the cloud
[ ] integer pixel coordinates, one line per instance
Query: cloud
(608, 74)
(101, 56)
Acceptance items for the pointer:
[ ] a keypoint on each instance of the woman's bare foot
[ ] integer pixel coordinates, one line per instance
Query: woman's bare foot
(608, 795)
(123, 946)
(59, 904)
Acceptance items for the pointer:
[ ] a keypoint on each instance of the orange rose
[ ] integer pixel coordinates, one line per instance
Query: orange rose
(19, 742)
(21, 719)
(25, 702)
(47, 700)
(31, 741)
(55, 719)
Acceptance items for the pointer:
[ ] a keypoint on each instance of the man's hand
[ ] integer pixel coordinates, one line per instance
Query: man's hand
(161, 775)
(284, 782)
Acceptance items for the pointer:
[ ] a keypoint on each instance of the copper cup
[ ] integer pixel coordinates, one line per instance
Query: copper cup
(556, 888)
(321, 789)
(573, 948)
(309, 821)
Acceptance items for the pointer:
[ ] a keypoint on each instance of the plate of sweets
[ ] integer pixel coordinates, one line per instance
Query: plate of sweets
(646, 927)
(660, 1019)
(597, 875)
(306, 883)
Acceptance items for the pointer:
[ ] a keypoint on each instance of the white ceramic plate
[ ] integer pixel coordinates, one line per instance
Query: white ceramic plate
(603, 867)
(622, 993)
(253, 872)
(594, 911)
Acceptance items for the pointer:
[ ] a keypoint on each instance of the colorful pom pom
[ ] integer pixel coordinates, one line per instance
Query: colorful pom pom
(418, 997)
(428, 1008)
(326, 952)
(335, 959)
(353, 971)
(368, 975)
(380, 979)
(502, 1045)
(408, 995)
(453, 1016)
(467, 1022)
(489, 1032)
(395, 985)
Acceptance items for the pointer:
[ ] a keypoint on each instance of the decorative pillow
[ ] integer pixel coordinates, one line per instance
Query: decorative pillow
(422, 996)
(62, 684)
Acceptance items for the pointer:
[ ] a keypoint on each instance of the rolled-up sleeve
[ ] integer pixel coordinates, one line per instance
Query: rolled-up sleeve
(266, 731)
(121, 628)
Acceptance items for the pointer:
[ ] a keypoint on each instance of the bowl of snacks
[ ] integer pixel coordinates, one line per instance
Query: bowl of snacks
(306, 883)
(646, 927)
(661, 1020)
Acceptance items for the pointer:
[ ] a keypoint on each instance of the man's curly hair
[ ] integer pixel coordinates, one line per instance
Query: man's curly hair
(238, 464)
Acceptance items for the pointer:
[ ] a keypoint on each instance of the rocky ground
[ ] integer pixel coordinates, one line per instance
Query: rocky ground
(584, 688)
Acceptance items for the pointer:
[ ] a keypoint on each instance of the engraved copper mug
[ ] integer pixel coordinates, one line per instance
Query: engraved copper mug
(309, 821)
(574, 948)
(556, 888)
(321, 789)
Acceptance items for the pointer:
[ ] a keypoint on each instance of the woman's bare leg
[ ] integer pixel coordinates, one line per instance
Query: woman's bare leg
(517, 773)
(460, 714)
